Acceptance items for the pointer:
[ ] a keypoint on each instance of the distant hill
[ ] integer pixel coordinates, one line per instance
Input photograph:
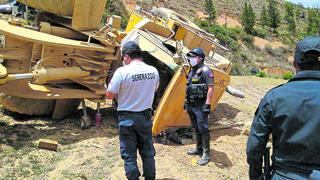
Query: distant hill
(190, 7)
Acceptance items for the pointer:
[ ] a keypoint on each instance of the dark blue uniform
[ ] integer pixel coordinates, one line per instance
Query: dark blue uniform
(290, 112)
(135, 129)
(199, 120)
(199, 79)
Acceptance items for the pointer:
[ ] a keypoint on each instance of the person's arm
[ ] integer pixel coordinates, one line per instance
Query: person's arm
(110, 95)
(114, 86)
(158, 80)
(209, 79)
(209, 94)
(258, 138)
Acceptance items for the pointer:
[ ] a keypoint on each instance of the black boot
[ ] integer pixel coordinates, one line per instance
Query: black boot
(198, 150)
(206, 150)
(149, 178)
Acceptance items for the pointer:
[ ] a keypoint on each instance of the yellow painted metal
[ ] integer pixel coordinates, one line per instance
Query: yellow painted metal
(22, 88)
(86, 14)
(58, 7)
(154, 27)
(180, 34)
(3, 71)
(114, 21)
(43, 38)
(171, 23)
(43, 76)
(73, 69)
(186, 31)
(133, 20)
(146, 44)
(170, 112)
(60, 31)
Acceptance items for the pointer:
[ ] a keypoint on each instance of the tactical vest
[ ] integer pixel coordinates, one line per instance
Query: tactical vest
(197, 88)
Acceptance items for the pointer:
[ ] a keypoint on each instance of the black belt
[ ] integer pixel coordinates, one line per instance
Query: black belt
(195, 102)
(144, 112)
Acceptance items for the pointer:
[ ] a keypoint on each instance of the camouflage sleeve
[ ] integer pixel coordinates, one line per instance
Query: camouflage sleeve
(258, 138)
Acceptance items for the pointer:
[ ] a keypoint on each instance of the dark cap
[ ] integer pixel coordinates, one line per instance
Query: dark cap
(130, 47)
(305, 46)
(197, 51)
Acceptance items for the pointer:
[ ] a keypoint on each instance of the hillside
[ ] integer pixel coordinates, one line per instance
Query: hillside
(94, 153)
(267, 51)
(190, 7)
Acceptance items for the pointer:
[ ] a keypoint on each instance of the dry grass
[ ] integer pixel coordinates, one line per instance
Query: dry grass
(94, 153)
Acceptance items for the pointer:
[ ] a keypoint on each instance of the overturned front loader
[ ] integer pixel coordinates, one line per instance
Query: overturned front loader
(51, 70)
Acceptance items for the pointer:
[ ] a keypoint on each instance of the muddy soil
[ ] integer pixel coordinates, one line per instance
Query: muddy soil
(94, 153)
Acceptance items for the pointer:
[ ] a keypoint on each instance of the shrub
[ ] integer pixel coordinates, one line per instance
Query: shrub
(261, 74)
(203, 23)
(239, 70)
(278, 52)
(226, 36)
(243, 56)
(247, 38)
(260, 32)
(288, 75)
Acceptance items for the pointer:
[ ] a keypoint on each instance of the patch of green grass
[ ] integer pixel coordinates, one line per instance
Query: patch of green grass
(23, 170)
(73, 175)
(262, 74)
(288, 75)
(7, 152)
(36, 166)
(240, 70)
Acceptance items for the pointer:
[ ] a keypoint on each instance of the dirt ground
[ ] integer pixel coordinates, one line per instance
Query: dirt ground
(262, 43)
(94, 153)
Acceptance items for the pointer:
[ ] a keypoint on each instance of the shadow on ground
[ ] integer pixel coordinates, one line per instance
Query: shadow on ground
(220, 159)
(224, 111)
(18, 130)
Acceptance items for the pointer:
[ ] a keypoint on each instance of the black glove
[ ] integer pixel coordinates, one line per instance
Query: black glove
(206, 108)
(185, 105)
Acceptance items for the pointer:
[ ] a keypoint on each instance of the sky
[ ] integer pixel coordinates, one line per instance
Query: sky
(307, 3)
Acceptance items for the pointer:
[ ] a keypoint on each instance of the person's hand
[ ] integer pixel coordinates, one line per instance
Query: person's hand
(206, 108)
(185, 105)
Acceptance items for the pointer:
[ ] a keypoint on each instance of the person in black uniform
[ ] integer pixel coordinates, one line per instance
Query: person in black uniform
(198, 96)
(291, 112)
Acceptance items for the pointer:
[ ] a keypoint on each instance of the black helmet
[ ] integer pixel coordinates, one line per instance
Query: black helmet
(197, 51)
(130, 47)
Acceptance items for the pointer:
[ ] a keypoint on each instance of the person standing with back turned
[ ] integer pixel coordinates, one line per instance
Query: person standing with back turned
(135, 85)
(291, 112)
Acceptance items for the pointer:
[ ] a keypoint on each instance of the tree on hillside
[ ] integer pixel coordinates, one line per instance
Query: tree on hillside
(229, 6)
(290, 17)
(264, 17)
(248, 17)
(298, 13)
(211, 11)
(313, 21)
(274, 15)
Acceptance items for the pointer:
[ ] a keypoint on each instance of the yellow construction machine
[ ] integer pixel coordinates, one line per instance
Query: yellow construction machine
(71, 57)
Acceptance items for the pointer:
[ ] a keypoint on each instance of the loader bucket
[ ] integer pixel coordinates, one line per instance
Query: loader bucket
(86, 15)
(170, 112)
